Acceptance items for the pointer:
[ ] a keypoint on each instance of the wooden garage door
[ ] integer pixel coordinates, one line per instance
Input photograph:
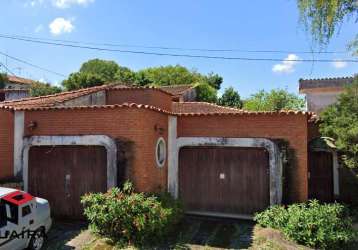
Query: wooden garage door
(224, 180)
(321, 176)
(62, 174)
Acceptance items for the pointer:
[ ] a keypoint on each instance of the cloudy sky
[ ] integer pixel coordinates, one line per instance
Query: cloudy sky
(203, 24)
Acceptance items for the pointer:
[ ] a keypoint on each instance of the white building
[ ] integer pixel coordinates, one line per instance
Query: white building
(15, 88)
(321, 93)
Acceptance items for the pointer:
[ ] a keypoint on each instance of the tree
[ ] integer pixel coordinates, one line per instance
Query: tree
(107, 70)
(340, 121)
(322, 17)
(141, 79)
(81, 80)
(167, 75)
(3, 80)
(230, 98)
(41, 89)
(214, 80)
(206, 93)
(125, 75)
(275, 100)
(98, 72)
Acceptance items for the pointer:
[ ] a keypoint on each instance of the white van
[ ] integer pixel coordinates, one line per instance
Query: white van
(24, 220)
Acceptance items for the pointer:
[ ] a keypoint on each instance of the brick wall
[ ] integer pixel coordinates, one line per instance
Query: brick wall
(291, 128)
(313, 130)
(140, 96)
(128, 124)
(6, 144)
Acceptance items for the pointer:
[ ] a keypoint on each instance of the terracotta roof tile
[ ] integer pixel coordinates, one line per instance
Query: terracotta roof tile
(50, 100)
(19, 80)
(176, 89)
(179, 109)
(124, 88)
(201, 108)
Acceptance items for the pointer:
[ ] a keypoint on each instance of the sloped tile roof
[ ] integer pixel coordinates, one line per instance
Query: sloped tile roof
(49, 100)
(19, 80)
(176, 89)
(179, 108)
(201, 108)
(338, 82)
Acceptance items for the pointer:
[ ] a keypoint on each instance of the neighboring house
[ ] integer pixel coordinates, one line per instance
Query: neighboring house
(15, 88)
(321, 93)
(220, 161)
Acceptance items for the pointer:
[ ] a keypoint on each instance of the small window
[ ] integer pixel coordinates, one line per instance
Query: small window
(12, 212)
(160, 152)
(26, 210)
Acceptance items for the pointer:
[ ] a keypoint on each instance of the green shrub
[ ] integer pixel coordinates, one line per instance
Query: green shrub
(312, 224)
(131, 218)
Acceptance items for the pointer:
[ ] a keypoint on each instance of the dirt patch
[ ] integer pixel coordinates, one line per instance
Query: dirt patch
(267, 238)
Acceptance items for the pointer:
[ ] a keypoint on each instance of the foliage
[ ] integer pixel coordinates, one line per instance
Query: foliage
(275, 100)
(125, 75)
(131, 218)
(214, 80)
(3, 80)
(106, 70)
(322, 18)
(168, 75)
(340, 121)
(230, 98)
(41, 89)
(325, 226)
(97, 72)
(353, 46)
(205, 93)
(81, 80)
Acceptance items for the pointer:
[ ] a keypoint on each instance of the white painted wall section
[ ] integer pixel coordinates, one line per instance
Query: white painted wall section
(19, 123)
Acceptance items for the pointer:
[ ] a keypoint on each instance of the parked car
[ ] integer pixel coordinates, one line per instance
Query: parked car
(24, 220)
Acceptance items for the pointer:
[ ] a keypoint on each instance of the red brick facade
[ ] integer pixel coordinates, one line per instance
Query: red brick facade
(291, 128)
(143, 126)
(134, 125)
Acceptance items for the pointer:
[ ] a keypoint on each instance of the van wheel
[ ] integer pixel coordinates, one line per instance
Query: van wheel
(37, 240)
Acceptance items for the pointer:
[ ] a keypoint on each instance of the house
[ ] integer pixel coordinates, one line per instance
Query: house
(321, 93)
(220, 161)
(15, 88)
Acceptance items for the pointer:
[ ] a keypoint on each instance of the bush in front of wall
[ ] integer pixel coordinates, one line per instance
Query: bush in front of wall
(324, 226)
(133, 218)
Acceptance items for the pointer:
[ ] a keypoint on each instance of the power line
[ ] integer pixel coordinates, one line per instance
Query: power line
(175, 48)
(32, 65)
(176, 55)
(6, 68)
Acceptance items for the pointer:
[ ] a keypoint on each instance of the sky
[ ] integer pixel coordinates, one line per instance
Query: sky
(204, 24)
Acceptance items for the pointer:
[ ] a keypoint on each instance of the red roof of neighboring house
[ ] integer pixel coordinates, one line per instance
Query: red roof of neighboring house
(179, 108)
(177, 89)
(50, 100)
(19, 80)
